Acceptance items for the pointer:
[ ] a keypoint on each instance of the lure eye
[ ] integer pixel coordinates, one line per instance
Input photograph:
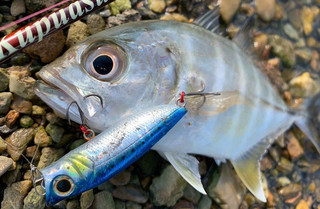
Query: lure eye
(63, 186)
(105, 62)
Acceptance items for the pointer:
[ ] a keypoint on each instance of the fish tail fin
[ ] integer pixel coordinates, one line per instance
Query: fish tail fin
(307, 117)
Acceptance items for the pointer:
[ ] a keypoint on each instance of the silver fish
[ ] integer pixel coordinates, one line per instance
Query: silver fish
(142, 64)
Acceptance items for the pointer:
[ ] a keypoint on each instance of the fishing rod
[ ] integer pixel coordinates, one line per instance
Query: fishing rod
(36, 31)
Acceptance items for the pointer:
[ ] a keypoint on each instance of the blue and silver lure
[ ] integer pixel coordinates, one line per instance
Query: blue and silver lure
(109, 153)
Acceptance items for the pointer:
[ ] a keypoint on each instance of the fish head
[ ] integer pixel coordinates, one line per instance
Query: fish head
(69, 176)
(128, 67)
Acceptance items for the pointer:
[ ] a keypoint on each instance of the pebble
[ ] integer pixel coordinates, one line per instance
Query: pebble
(49, 155)
(293, 146)
(302, 205)
(130, 192)
(33, 152)
(232, 30)
(86, 199)
(290, 191)
(303, 86)
(126, 17)
(294, 18)
(266, 10)
(73, 204)
(37, 110)
(148, 163)
(283, 49)
(66, 138)
(205, 202)
(314, 63)
(77, 143)
(103, 200)
(41, 137)
(14, 194)
(107, 186)
(17, 7)
(11, 118)
(119, 6)
(26, 121)
(174, 16)
(303, 55)
(5, 101)
(119, 204)
(47, 54)
(78, 31)
(284, 181)
(260, 42)
(228, 9)
(158, 6)
(122, 178)
(21, 105)
(285, 166)
(5, 164)
(19, 139)
(3, 145)
(191, 194)
(307, 18)
(132, 205)
(166, 189)
(33, 200)
(96, 23)
(291, 31)
(11, 176)
(4, 79)
(20, 59)
(146, 13)
(22, 84)
(55, 132)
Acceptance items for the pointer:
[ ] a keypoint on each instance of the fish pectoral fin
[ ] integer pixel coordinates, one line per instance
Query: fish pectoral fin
(188, 167)
(216, 104)
(210, 20)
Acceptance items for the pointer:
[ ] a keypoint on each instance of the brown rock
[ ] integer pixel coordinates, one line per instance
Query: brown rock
(302, 205)
(294, 148)
(14, 194)
(21, 105)
(174, 16)
(183, 204)
(33, 152)
(228, 9)
(266, 9)
(49, 48)
(12, 118)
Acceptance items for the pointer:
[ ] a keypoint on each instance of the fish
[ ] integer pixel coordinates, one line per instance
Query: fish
(114, 149)
(137, 65)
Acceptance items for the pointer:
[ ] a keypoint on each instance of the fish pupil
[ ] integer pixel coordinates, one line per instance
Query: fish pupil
(103, 65)
(63, 186)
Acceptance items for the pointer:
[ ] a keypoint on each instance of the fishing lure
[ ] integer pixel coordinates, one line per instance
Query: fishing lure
(108, 153)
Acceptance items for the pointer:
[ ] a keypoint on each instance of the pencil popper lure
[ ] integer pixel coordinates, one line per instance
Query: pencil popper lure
(108, 153)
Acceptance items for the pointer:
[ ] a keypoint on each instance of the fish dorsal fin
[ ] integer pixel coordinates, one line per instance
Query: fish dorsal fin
(247, 165)
(210, 20)
(188, 167)
(244, 37)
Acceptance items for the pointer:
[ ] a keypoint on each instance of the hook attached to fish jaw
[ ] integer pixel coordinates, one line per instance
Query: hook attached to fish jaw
(87, 133)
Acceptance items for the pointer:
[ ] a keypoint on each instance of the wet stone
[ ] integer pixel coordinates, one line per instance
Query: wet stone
(47, 54)
(48, 156)
(119, 6)
(66, 138)
(22, 84)
(106, 186)
(86, 199)
(130, 192)
(283, 49)
(303, 86)
(205, 202)
(19, 139)
(174, 16)
(78, 31)
(77, 143)
(73, 204)
(266, 10)
(166, 189)
(14, 194)
(294, 148)
(5, 164)
(26, 121)
(191, 194)
(3, 146)
(4, 79)
(6, 130)
(228, 9)
(122, 178)
(285, 166)
(52, 118)
(60, 205)
(42, 138)
(148, 163)
(20, 59)
(31, 152)
(119, 204)
(126, 17)
(158, 6)
(291, 31)
(294, 18)
(132, 205)
(284, 181)
(147, 14)
(290, 191)
(303, 55)
(55, 132)
(11, 118)
(103, 200)
(95, 23)
(302, 205)
(33, 200)
(37, 110)
(307, 18)
(11, 176)
(21, 105)
(5, 100)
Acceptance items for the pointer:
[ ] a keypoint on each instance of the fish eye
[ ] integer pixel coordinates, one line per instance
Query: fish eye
(63, 186)
(105, 62)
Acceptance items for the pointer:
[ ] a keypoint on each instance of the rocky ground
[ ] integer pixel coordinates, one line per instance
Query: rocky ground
(287, 40)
